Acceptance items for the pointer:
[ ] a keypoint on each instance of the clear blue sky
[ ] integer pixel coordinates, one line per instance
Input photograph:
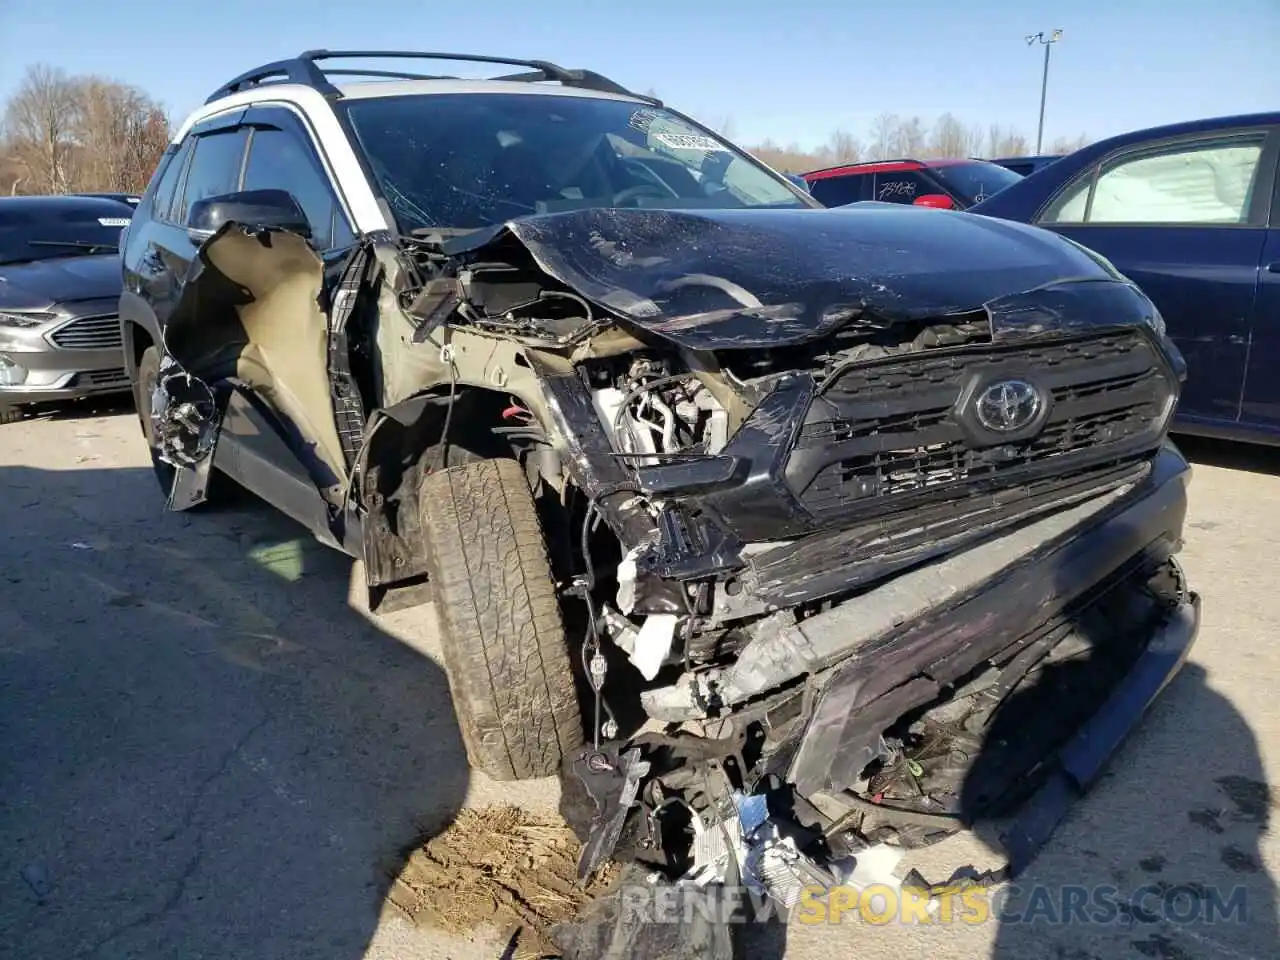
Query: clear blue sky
(791, 70)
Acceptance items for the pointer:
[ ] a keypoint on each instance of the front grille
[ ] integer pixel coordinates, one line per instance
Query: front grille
(892, 430)
(100, 378)
(88, 333)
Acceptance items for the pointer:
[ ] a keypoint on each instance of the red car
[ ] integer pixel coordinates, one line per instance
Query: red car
(948, 184)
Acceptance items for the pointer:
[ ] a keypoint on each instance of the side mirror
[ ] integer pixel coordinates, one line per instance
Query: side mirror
(938, 201)
(253, 208)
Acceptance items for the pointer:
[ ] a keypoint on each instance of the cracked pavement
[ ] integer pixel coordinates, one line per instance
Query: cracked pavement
(211, 751)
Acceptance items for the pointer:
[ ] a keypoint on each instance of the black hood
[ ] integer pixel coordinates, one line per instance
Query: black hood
(43, 283)
(717, 279)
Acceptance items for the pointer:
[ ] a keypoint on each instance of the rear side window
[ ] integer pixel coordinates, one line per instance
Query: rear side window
(162, 201)
(279, 160)
(901, 186)
(1205, 182)
(215, 169)
(837, 191)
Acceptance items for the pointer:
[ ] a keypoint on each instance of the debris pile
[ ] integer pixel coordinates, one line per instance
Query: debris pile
(500, 867)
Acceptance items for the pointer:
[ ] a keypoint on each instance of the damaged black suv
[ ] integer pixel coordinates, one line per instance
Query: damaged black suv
(718, 494)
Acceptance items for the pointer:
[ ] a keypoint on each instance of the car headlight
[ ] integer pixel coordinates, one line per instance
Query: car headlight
(23, 321)
(1156, 320)
(11, 374)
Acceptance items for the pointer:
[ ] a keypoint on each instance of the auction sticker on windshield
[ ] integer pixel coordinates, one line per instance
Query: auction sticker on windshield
(689, 141)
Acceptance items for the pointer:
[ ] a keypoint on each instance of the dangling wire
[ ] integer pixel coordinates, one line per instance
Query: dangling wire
(442, 456)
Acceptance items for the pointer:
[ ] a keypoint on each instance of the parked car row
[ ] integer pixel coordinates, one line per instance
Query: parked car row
(59, 299)
(943, 184)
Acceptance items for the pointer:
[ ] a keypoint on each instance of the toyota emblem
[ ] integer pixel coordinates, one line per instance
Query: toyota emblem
(1007, 406)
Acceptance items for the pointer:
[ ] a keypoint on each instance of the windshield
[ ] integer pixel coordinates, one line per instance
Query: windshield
(469, 160)
(43, 232)
(975, 180)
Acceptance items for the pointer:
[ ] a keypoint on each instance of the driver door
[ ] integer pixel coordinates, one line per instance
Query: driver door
(257, 322)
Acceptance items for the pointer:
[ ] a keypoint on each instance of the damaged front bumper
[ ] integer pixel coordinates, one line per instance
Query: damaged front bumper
(845, 705)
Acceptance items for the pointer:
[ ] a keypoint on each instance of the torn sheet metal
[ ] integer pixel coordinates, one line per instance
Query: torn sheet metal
(721, 279)
(612, 780)
(252, 310)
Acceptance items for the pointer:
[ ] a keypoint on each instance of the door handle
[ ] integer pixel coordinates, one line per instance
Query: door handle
(1273, 267)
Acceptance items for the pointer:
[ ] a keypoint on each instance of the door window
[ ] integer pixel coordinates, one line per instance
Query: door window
(901, 186)
(215, 169)
(837, 191)
(162, 200)
(280, 160)
(1185, 184)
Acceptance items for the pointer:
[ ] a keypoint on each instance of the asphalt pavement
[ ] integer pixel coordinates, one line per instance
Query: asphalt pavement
(209, 749)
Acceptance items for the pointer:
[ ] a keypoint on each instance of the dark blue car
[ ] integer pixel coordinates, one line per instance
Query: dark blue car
(1027, 165)
(1191, 213)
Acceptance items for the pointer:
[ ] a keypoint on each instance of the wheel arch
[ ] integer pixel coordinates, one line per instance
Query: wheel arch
(408, 440)
(139, 329)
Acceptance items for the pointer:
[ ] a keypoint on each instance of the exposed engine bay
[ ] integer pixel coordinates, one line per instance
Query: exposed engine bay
(826, 534)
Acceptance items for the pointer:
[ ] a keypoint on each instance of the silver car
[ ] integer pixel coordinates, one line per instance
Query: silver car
(59, 295)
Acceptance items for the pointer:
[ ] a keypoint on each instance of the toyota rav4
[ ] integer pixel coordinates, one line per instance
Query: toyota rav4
(718, 495)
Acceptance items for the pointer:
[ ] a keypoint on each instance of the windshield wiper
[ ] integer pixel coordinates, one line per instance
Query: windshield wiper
(79, 244)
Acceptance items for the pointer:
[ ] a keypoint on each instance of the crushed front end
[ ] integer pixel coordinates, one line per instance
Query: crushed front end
(889, 552)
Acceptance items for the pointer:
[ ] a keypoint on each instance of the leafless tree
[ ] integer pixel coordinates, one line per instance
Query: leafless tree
(64, 133)
(909, 139)
(843, 147)
(120, 134)
(883, 131)
(39, 122)
(950, 138)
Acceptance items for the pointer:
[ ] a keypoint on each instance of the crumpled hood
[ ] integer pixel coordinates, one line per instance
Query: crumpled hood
(33, 286)
(716, 279)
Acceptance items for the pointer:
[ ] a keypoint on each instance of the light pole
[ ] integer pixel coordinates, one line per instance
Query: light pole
(1045, 42)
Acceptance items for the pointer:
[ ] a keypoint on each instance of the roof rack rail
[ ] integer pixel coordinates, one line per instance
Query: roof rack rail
(304, 70)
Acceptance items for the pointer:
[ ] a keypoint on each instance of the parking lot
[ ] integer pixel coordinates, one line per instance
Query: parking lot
(210, 751)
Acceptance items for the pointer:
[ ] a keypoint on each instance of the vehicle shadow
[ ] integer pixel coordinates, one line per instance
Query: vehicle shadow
(208, 752)
(96, 406)
(1252, 457)
(1161, 857)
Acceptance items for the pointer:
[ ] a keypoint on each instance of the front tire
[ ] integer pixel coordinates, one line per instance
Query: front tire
(10, 414)
(502, 634)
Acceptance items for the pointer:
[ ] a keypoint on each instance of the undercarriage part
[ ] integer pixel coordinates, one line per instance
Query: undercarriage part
(985, 749)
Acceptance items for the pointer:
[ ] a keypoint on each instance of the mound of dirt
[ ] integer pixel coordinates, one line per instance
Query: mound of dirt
(500, 867)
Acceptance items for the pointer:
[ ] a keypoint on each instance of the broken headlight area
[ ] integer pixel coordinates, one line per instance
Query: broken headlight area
(184, 416)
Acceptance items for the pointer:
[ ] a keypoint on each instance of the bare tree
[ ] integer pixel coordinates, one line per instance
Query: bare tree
(843, 147)
(950, 138)
(883, 130)
(65, 133)
(909, 138)
(39, 122)
(120, 134)
(1068, 144)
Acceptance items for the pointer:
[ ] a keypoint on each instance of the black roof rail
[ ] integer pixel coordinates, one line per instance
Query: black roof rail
(304, 70)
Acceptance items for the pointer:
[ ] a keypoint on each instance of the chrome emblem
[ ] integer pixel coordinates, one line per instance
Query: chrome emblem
(1008, 406)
